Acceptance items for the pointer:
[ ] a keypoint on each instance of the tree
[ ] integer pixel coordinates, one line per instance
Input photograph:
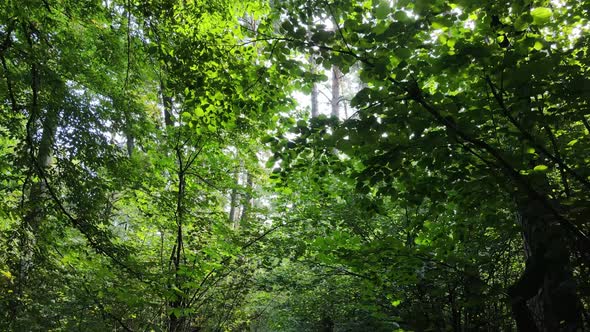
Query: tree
(450, 91)
(107, 185)
(156, 172)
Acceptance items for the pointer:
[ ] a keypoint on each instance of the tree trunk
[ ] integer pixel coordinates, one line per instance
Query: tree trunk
(544, 299)
(40, 163)
(326, 324)
(314, 101)
(247, 199)
(167, 103)
(335, 101)
(176, 318)
(455, 309)
(314, 90)
(234, 201)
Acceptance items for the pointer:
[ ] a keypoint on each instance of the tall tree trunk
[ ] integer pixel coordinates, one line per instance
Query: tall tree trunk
(455, 308)
(234, 200)
(130, 142)
(40, 163)
(326, 323)
(167, 103)
(314, 90)
(314, 101)
(335, 101)
(247, 205)
(176, 318)
(544, 299)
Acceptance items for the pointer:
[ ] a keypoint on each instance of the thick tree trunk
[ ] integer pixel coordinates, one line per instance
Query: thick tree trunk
(544, 299)
(314, 101)
(130, 143)
(326, 324)
(247, 199)
(455, 309)
(40, 163)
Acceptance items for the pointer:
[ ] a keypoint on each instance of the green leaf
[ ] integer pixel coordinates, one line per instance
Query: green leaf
(186, 116)
(7, 274)
(401, 16)
(403, 53)
(382, 11)
(541, 15)
(523, 22)
(541, 168)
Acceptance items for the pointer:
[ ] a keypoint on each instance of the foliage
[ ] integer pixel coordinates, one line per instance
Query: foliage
(157, 173)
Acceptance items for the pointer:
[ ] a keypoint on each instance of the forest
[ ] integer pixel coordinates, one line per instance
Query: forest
(295, 165)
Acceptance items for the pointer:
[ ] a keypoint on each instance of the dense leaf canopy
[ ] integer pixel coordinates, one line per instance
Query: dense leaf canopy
(162, 169)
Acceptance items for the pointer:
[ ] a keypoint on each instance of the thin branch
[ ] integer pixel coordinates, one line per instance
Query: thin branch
(553, 140)
(227, 259)
(10, 89)
(325, 95)
(98, 303)
(191, 159)
(128, 48)
(207, 182)
(528, 136)
(310, 44)
(79, 224)
(586, 124)
(7, 41)
(338, 27)
(510, 171)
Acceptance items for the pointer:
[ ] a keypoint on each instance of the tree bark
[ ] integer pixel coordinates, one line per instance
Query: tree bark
(40, 163)
(176, 320)
(335, 101)
(544, 298)
(167, 102)
(247, 205)
(314, 90)
(234, 201)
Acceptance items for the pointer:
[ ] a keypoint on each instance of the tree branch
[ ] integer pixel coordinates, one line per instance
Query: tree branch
(528, 136)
